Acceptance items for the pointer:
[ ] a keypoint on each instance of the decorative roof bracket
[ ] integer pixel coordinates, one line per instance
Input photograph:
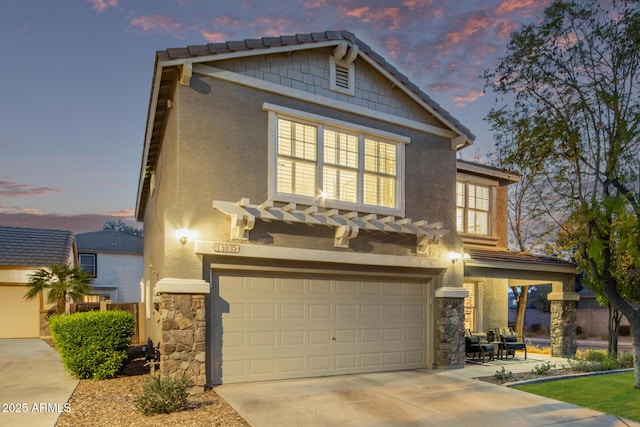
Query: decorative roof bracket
(347, 226)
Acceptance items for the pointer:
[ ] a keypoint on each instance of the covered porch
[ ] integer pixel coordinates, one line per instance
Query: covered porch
(488, 274)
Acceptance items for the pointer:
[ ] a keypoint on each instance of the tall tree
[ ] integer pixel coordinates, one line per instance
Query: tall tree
(572, 85)
(120, 225)
(59, 282)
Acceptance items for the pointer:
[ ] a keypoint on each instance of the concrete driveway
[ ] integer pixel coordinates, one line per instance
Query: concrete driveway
(405, 398)
(34, 387)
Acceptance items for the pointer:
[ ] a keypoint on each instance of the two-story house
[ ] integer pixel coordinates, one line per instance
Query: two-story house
(114, 260)
(300, 211)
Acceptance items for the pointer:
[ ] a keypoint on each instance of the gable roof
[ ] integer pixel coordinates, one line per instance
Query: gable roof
(35, 247)
(109, 241)
(176, 64)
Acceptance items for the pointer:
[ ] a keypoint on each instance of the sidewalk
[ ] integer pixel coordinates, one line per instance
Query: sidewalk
(35, 387)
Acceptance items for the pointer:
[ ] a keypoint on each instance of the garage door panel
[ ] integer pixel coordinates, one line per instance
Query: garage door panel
(19, 318)
(279, 328)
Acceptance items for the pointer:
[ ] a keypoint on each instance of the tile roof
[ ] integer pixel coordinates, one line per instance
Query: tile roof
(35, 247)
(109, 241)
(512, 256)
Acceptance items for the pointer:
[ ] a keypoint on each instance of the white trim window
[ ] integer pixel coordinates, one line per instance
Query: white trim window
(88, 263)
(473, 208)
(320, 161)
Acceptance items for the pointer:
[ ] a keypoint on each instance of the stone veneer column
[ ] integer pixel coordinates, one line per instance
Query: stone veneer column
(450, 328)
(183, 321)
(564, 307)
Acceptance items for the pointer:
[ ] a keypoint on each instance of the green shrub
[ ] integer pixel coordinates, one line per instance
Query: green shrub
(598, 360)
(625, 360)
(543, 368)
(92, 345)
(163, 395)
(504, 375)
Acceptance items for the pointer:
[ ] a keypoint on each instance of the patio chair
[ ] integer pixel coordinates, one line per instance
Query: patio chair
(509, 343)
(474, 347)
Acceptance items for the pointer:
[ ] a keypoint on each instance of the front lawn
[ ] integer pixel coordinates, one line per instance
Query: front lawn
(610, 393)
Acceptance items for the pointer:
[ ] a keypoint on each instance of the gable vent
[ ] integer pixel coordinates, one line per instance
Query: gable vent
(342, 76)
(343, 69)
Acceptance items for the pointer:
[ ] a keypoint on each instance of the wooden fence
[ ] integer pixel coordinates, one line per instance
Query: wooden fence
(135, 308)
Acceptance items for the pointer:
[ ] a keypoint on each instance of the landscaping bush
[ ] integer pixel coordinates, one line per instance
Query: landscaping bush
(163, 395)
(625, 360)
(92, 345)
(598, 360)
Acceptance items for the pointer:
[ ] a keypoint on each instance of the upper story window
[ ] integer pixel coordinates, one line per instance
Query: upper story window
(473, 208)
(88, 263)
(335, 164)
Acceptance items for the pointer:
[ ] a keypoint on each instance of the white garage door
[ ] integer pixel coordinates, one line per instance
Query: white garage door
(279, 328)
(19, 318)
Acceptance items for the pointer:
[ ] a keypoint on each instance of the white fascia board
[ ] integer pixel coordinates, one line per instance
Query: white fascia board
(147, 140)
(480, 169)
(230, 76)
(521, 266)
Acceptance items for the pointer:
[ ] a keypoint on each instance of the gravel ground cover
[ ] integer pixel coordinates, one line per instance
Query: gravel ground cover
(111, 403)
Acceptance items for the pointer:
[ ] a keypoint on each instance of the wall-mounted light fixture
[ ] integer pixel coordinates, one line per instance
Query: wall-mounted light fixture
(454, 256)
(183, 235)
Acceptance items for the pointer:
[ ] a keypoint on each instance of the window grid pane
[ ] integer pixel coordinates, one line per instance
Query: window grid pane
(347, 174)
(297, 152)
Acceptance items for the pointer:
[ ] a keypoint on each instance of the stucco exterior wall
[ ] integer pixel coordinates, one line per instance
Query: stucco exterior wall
(219, 152)
(493, 304)
(501, 217)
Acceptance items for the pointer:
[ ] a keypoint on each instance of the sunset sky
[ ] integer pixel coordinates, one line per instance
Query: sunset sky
(76, 77)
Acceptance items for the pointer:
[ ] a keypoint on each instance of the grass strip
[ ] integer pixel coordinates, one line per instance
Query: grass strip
(613, 394)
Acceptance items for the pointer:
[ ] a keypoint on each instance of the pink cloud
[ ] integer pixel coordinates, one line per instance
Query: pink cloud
(275, 26)
(526, 7)
(416, 4)
(471, 26)
(471, 96)
(127, 213)
(102, 5)
(156, 23)
(13, 189)
(366, 14)
(228, 21)
(17, 209)
(213, 36)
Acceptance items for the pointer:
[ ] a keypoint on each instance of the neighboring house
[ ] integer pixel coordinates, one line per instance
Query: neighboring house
(300, 211)
(22, 251)
(114, 259)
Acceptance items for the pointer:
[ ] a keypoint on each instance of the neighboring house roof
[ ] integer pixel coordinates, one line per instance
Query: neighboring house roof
(35, 247)
(109, 241)
(171, 63)
(495, 258)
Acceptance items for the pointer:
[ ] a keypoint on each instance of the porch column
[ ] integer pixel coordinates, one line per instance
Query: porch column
(564, 306)
(183, 323)
(450, 327)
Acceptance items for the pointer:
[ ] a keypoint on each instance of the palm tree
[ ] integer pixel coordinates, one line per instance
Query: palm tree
(62, 281)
